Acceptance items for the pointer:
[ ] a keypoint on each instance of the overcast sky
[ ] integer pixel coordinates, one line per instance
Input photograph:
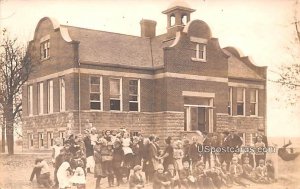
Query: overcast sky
(261, 29)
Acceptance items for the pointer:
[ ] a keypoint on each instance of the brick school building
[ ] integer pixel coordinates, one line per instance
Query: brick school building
(171, 84)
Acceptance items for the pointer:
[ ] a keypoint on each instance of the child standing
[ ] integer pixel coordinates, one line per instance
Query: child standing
(178, 155)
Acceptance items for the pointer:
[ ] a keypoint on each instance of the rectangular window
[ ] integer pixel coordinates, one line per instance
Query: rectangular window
(200, 52)
(30, 140)
(41, 140)
(229, 106)
(62, 136)
(40, 96)
(50, 139)
(240, 101)
(62, 95)
(134, 91)
(30, 100)
(243, 137)
(115, 94)
(254, 102)
(50, 96)
(45, 50)
(95, 93)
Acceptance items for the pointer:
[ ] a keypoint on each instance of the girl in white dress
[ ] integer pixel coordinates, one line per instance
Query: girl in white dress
(63, 174)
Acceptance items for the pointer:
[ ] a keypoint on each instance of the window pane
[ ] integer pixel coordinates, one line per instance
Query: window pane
(252, 109)
(240, 108)
(95, 80)
(95, 105)
(133, 98)
(114, 85)
(133, 106)
(240, 94)
(95, 97)
(133, 90)
(133, 82)
(114, 104)
(252, 95)
(95, 88)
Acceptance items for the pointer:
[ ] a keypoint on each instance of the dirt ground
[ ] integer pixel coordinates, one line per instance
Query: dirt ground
(15, 173)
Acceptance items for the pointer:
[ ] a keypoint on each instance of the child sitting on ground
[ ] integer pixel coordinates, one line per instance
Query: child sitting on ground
(78, 179)
(172, 176)
(248, 170)
(136, 180)
(236, 172)
(159, 179)
(270, 171)
(261, 172)
(202, 179)
(185, 175)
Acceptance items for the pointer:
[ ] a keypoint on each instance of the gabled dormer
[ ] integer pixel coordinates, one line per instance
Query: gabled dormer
(178, 15)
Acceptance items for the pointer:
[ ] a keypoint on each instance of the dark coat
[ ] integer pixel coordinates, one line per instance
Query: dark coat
(88, 146)
(194, 154)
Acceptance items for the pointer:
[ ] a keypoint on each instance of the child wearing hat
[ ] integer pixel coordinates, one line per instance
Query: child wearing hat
(159, 179)
(202, 180)
(136, 180)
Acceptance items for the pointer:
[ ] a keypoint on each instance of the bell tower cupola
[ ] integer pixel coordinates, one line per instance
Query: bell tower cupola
(178, 15)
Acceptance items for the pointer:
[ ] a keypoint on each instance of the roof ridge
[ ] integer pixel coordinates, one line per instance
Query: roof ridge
(68, 26)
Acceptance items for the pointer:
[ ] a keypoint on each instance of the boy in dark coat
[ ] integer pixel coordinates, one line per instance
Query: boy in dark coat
(186, 178)
(173, 176)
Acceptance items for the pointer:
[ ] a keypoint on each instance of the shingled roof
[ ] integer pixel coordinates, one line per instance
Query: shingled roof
(238, 69)
(100, 47)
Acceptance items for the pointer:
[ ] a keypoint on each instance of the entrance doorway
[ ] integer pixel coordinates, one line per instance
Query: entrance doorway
(198, 118)
(198, 114)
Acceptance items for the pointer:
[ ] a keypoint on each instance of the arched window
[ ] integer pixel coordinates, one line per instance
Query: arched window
(172, 20)
(184, 19)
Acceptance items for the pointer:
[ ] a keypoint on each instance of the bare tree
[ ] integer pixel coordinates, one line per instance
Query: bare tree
(15, 66)
(289, 74)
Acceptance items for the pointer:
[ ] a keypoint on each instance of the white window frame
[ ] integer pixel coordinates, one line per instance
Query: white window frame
(101, 93)
(244, 102)
(138, 95)
(45, 49)
(62, 94)
(41, 137)
(50, 138)
(30, 139)
(30, 99)
(121, 94)
(256, 103)
(40, 98)
(230, 101)
(50, 96)
(198, 50)
(62, 136)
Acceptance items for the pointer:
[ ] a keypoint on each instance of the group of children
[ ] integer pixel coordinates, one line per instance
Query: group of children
(120, 158)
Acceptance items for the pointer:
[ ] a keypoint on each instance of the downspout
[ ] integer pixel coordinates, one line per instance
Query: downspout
(79, 97)
(79, 85)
